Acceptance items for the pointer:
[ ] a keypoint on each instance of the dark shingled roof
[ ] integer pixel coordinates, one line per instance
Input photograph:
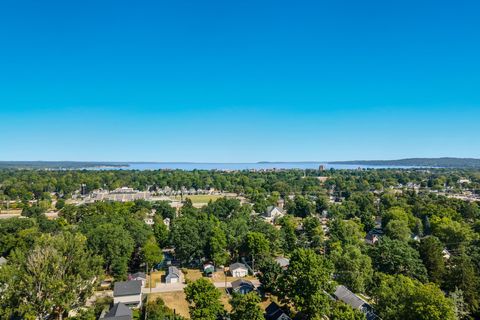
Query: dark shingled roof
(241, 282)
(127, 288)
(119, 311)
(274, 312)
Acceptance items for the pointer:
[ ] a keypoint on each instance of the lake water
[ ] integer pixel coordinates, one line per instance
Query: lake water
(188, 166)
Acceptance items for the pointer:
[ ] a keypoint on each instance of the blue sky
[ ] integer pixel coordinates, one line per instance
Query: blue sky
(239, 81)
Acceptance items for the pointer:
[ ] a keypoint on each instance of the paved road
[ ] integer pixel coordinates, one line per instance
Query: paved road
(172, 287)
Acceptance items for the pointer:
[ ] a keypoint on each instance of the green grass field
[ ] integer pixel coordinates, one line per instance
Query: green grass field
(200, 198)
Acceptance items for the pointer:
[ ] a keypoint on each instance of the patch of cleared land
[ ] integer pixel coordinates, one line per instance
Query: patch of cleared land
(177, 301)
(156, 277)
(174, 300)
(198, 198)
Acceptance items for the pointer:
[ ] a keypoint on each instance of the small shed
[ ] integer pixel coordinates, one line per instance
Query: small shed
(174, 275)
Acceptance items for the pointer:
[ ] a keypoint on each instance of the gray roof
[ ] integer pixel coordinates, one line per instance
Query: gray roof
(282, 261)
(174, 271)
(237, 265)
(242, 282)
(127, 288)
(271, 208)
(139, 275)
(350, 298)
(119, 311)
(2, 260)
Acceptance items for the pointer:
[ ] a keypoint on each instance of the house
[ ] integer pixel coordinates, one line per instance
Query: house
(373, 236)
(238, 270)
(3, 261)
(272, 213)
(119, 311)
(282, 262)
(274, 312)
(128, 293)
(348, 297)
(446, 254)
(242, 286)
(174, 275)
(208, 269)
(166, 222)
(141, 276)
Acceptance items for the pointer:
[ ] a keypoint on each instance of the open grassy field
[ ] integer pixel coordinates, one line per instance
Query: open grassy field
(157, 277)
(199, 198)
(176, 301)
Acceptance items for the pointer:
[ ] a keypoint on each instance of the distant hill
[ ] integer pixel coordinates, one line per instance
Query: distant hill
(419, 162)
(57, 164)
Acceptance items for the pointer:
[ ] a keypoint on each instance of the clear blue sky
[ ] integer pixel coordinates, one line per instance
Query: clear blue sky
(239, 81)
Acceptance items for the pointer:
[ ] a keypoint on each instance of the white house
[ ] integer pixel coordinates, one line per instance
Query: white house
(128, 293)
(446, 254)
(238, 270)
(174, 275)
(272, 213)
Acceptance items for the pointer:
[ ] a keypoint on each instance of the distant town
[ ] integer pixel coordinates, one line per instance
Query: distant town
(156, 243)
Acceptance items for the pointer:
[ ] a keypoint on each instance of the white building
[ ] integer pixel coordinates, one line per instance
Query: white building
(128, 293)
(174, 275)
(238, 270)
(273, 213)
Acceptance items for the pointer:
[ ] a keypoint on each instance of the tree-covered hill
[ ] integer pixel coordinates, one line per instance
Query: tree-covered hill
(446, 162)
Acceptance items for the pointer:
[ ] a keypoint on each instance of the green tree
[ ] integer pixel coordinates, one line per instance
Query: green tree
(204, 300)
(187, 238)
(397, 257)
(287, 233)
(270, 275)
(257, 245)
(398, 230)
(245, 307)
(431, 253)
(152, 254)
(57, 275)
(463, 276)
(341, 311)
(300, 207)
(114, 244)
(157, 310)
(307, 282)
(353, 269)
(402, 298)
(164, 210)
(160, 231)
(217, 246)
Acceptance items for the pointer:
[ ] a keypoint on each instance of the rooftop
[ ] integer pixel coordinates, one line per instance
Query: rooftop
(127, 288)
(119, 311)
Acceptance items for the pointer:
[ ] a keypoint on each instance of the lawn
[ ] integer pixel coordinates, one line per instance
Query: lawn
(176, 301)
(156, 278)
(199, 198)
